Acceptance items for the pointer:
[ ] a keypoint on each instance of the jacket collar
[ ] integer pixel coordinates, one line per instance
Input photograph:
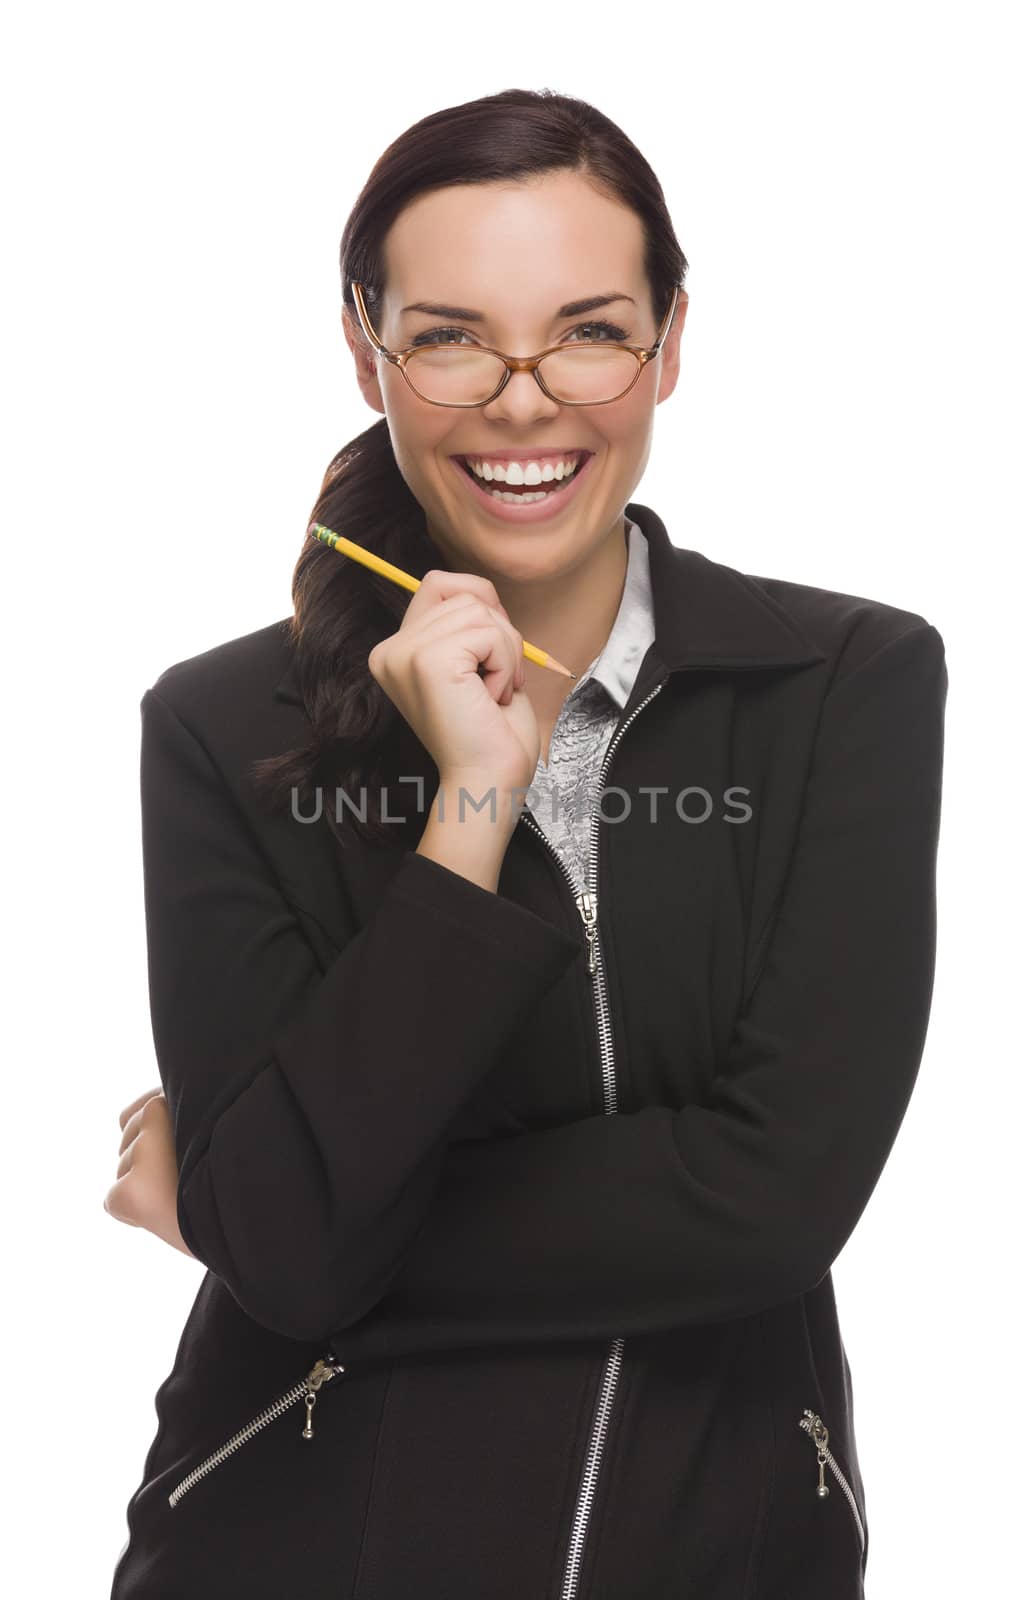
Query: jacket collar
(618, 663)
(706, 615)
(711, 615)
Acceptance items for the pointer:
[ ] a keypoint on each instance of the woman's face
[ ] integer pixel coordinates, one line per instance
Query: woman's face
(517, 253)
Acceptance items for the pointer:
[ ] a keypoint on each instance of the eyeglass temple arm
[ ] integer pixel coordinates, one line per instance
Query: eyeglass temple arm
(361, 311)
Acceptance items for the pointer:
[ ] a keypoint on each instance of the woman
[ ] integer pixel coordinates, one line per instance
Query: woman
(518, 1139)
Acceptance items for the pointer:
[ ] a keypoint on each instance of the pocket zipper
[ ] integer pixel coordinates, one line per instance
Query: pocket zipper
(812, 1425)
(325, 1370)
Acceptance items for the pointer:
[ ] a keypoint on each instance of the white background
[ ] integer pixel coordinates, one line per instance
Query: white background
(853, 187)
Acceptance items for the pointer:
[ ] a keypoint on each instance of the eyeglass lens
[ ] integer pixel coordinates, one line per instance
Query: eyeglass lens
(587, 374)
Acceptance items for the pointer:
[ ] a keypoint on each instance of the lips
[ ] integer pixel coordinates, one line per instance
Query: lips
(532, 508)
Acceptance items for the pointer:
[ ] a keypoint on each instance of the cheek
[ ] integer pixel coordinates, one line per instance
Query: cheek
(625, 425)
(419, 434)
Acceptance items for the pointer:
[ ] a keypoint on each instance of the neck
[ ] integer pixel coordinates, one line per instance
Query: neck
(571, 614)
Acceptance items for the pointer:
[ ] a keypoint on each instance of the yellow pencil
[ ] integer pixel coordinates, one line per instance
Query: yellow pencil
(367, 558)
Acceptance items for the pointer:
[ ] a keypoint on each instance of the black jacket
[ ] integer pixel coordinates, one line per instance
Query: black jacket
(562, 1240)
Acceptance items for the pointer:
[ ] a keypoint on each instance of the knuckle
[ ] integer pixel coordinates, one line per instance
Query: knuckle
(424, 670)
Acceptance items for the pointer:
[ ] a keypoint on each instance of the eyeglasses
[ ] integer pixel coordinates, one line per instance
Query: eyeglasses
(586, 373)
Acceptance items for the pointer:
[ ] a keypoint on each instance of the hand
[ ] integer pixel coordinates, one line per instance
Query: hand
(144, 1192)
(473, 727)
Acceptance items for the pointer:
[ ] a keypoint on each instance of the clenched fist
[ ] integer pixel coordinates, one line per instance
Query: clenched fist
(144, 1192)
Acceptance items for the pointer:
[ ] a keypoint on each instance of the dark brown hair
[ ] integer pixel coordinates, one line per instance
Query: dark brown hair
(360, 742)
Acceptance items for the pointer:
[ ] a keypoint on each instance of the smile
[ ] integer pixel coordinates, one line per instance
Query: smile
(510, 503)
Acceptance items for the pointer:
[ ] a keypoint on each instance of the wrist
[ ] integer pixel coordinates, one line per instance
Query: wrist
(470, 825)
(479, 798)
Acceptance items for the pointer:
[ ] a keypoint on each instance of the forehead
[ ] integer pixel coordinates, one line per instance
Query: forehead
(514, 249)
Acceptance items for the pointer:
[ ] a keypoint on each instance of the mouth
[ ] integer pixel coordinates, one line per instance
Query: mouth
(528, 503)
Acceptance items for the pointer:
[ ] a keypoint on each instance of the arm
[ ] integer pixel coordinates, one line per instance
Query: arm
(310, 1109)
(625, 1224)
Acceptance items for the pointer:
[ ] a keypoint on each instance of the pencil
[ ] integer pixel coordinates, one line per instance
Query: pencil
(367, 558)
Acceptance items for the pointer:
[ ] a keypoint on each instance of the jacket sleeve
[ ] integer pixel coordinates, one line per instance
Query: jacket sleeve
(311, 1108)
(642, 1222)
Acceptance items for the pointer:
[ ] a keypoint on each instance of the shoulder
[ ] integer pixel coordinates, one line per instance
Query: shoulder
(227, 678)
(225, 699)
(849, 628)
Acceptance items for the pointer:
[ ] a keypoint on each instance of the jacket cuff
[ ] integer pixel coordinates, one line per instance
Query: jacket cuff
(526, 938)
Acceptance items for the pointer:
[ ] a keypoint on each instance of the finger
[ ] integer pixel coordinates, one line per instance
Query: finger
(119, 1204)
(519, 651)
(493, 652)
(127, 1154)
(152, 1110)
(500, 666)
(418, 626)
(439, 585)
(446, 592)
(135, 1105)
(131, 1129)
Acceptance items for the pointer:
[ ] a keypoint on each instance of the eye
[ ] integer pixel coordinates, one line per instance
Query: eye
(608, 329)
(585, 334)
(432, 335)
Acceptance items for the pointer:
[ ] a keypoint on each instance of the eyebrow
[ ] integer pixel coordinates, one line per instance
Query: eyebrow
(574, 308)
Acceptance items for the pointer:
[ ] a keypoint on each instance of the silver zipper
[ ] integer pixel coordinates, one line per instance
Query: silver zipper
(323, 1371)
(586, 902)
(812, 1425)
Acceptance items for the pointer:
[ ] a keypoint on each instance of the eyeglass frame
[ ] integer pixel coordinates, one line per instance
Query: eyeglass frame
(399, 358)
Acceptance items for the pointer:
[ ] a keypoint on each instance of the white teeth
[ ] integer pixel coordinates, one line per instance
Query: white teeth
(516, 472)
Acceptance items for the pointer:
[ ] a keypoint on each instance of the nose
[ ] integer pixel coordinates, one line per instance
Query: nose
(521, 401)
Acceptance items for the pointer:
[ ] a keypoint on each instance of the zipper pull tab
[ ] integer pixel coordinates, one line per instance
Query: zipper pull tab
(324, 1368)
(819, 1434)
(587, 903)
